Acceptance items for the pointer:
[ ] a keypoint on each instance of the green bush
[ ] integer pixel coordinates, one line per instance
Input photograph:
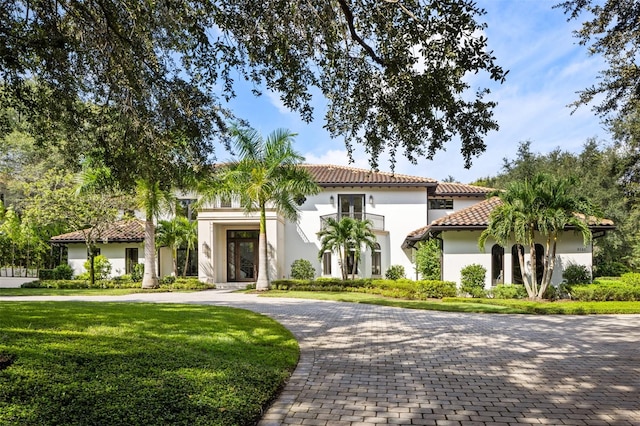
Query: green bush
(137, 273)
(302, 269)
(508, 291)
(45, 274)
(428, 258)
(167, 279)
(62, 272)
(435, 289)
(631, 278)
(610, 269)
(395, 272)
(606, 291)
(576, 274)
(101, 267)
(472, 280)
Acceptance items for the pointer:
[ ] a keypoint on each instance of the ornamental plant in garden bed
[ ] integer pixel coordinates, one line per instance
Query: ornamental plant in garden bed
(403, 288)
(145, 364)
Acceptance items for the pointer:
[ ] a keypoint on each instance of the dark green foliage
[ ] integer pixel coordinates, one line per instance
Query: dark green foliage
(166, 76)
(395, 272)
(401, 288)
(433, 289)
(119, 282)
(302, 269)
(139, 364)
(607, 290)
(610, 269)
(508, 291)
(472, 279)
(428, 257)
(137, 272)
(45, 274)
(576, 274)
(62, 272)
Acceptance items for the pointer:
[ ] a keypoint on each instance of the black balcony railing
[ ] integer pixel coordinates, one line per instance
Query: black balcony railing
(376, 219)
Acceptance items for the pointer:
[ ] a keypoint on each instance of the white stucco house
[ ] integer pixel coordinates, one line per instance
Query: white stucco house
(404, 210)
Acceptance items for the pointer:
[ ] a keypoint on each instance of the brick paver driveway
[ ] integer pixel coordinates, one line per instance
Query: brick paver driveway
(368, 365)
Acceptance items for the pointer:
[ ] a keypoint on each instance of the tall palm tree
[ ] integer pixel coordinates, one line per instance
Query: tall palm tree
(189, 239)
(545, 205)
(169, 233)
(361, 235)
(344, 236)
(265, 173)
(152, 200)
(334, 237)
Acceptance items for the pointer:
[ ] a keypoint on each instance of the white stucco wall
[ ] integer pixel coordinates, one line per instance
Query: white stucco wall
(460, 249)
(115, 252)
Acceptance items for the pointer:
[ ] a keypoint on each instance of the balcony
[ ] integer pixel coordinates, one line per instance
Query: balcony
(376, 219)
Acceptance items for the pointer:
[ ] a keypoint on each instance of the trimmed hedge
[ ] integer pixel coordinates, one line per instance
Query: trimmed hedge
(176, 284)
(402, 288)
(626, 289)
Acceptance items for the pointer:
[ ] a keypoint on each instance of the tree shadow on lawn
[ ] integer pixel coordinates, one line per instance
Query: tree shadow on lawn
(115, 363)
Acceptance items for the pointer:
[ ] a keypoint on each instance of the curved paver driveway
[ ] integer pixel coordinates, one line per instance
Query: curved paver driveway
(368, 365)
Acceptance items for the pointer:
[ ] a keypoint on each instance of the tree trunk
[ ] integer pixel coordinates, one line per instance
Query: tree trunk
(548, 272)
(262, 282)
(150, 277)
(174, 254)
(186, 262)
(523, 274)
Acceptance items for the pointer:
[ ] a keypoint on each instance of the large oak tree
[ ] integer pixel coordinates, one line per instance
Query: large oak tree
(392, 71)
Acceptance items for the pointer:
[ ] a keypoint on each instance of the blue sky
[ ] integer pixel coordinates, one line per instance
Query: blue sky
(546, 69)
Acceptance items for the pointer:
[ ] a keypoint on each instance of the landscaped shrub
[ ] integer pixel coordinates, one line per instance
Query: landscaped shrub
(62, 272)
(395, 272)
(101, 267)
(302, 269)
(631, 278)
(45, 274)
(428, 258)
(137, 272)
(610, 269)
(606, 290)
(176, 284)
(472, 279)
(576, 274)
(435, 289)
(508, 291)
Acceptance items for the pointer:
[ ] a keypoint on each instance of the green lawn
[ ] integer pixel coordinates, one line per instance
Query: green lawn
(151, 364)
(75, 291)
(502, 306)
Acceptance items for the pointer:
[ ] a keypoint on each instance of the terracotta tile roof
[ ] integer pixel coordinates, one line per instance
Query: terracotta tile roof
(477, 217)
(446, 188)
(123, 231)
(331, 175)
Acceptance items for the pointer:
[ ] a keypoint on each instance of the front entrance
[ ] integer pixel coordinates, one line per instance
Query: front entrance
(242, 255)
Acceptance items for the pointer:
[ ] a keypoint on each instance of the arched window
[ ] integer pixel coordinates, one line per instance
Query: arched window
(516, 273)
(376, 260)
(497, 265)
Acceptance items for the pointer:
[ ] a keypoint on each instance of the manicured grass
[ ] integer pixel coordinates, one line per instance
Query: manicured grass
(503, 306)
(152, 364)
(76, 291)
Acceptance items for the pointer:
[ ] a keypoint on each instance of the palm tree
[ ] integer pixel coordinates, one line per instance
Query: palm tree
(169, 233)
(189, 239)
(334, 237)
(361, 235)
(345, 236)
(266, 174)
(152, 200)
(544, 205)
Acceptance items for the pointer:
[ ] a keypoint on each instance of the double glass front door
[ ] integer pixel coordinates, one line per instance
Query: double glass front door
(242, 255)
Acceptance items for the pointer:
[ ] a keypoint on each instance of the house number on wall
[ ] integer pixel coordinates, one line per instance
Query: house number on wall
(582, 249)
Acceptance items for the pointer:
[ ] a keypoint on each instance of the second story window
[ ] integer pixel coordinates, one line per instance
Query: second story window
(351, 205)
(440, 204)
